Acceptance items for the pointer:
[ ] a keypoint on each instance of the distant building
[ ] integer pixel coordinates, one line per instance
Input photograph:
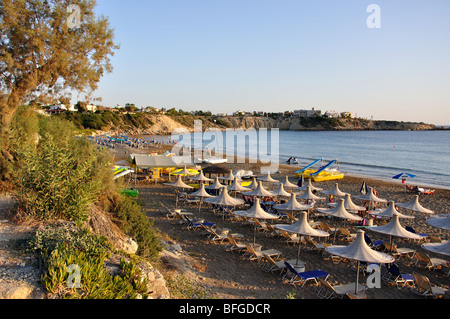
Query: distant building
(347, 114)
(332, 114)
(58, 108)
(308, 113)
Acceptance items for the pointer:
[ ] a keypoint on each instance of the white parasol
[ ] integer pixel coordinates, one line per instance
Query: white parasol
(361, 252)
(335, 191)
(286, 183)
(229, 177)
(389, 212)
(302, 227)
(201, 177)
(340, 212)
(267, 178)
(281, 192)
(201, 193)
(349, 205)
(394, 228)
(414, 205)
(293, 204)
(224, 199)
(259, 191)
(440, 222)
(439, 248)
(179, 183)
(256, 211)
(215, 185)
(309, 184)
(371, 197)
(308, 194)
(237, 187)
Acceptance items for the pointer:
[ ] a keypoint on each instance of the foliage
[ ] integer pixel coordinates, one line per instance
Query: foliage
(183, 288)
(106, 119)
(57, 175)
(135, 223)
(62, 247)
(43, 59)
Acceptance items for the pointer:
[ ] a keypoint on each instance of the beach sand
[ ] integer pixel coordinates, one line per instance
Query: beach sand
(226, 275)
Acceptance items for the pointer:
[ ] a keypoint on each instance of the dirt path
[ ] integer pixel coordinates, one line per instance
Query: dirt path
(19, 278)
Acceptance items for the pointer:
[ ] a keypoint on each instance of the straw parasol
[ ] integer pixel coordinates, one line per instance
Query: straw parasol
(215, 185)
(215, 169)
(349, 205)
(394, 228)
(267, 178)
(280, 191)
(371, 197)
(201, 177)
(201, 193)
(414, 205)
(335, 191)
(253, 184)
(237, 187)
(224, 199)
(259, 191)
(361, 252)
(308, 195)
(389, 212)
(440, 222)
(256, 211)
(179, 183)
(229, 177)
(438, 248)
(309, 184)
(340, 212)
(286, 183)
(302, 228)
(293, 205)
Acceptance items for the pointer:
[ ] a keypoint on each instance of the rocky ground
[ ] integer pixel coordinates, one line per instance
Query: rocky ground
(19, 277)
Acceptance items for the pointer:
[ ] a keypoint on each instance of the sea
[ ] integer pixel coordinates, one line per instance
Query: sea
(375, 154)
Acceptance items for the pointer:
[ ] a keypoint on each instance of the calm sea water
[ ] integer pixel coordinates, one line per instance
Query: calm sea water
(379, 154)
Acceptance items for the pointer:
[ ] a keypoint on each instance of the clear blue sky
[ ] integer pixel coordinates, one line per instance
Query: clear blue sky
(282, 55)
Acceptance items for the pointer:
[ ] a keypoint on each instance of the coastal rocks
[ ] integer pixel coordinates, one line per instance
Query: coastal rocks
(156, 288)
(101, 224)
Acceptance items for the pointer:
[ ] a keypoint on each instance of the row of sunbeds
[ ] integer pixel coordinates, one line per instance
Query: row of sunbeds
(272, 262)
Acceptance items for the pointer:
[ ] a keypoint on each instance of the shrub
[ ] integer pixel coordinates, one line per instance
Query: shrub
(63, 247)
(135, 223)
(57, 175)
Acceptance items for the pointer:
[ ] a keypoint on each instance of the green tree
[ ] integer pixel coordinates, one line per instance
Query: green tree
(43, 56)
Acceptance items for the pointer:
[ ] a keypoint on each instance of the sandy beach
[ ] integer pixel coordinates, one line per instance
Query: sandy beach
(223, 274)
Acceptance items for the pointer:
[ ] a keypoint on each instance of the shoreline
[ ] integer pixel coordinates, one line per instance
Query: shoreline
(239, 160)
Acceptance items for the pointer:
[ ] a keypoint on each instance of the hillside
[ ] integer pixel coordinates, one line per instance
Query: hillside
(144, 123)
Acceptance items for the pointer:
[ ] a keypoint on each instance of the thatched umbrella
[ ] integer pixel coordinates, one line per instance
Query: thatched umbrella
(361, 252)
(256, 211)
(415, 206)
(389, 212)
(286, 183)
(349, 205)
(302, 228)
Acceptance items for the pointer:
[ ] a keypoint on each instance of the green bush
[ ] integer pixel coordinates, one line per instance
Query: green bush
(136, 224)
(63, 247)
(57, 175)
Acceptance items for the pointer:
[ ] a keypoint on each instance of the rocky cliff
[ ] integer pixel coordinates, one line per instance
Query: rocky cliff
(142, 123)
